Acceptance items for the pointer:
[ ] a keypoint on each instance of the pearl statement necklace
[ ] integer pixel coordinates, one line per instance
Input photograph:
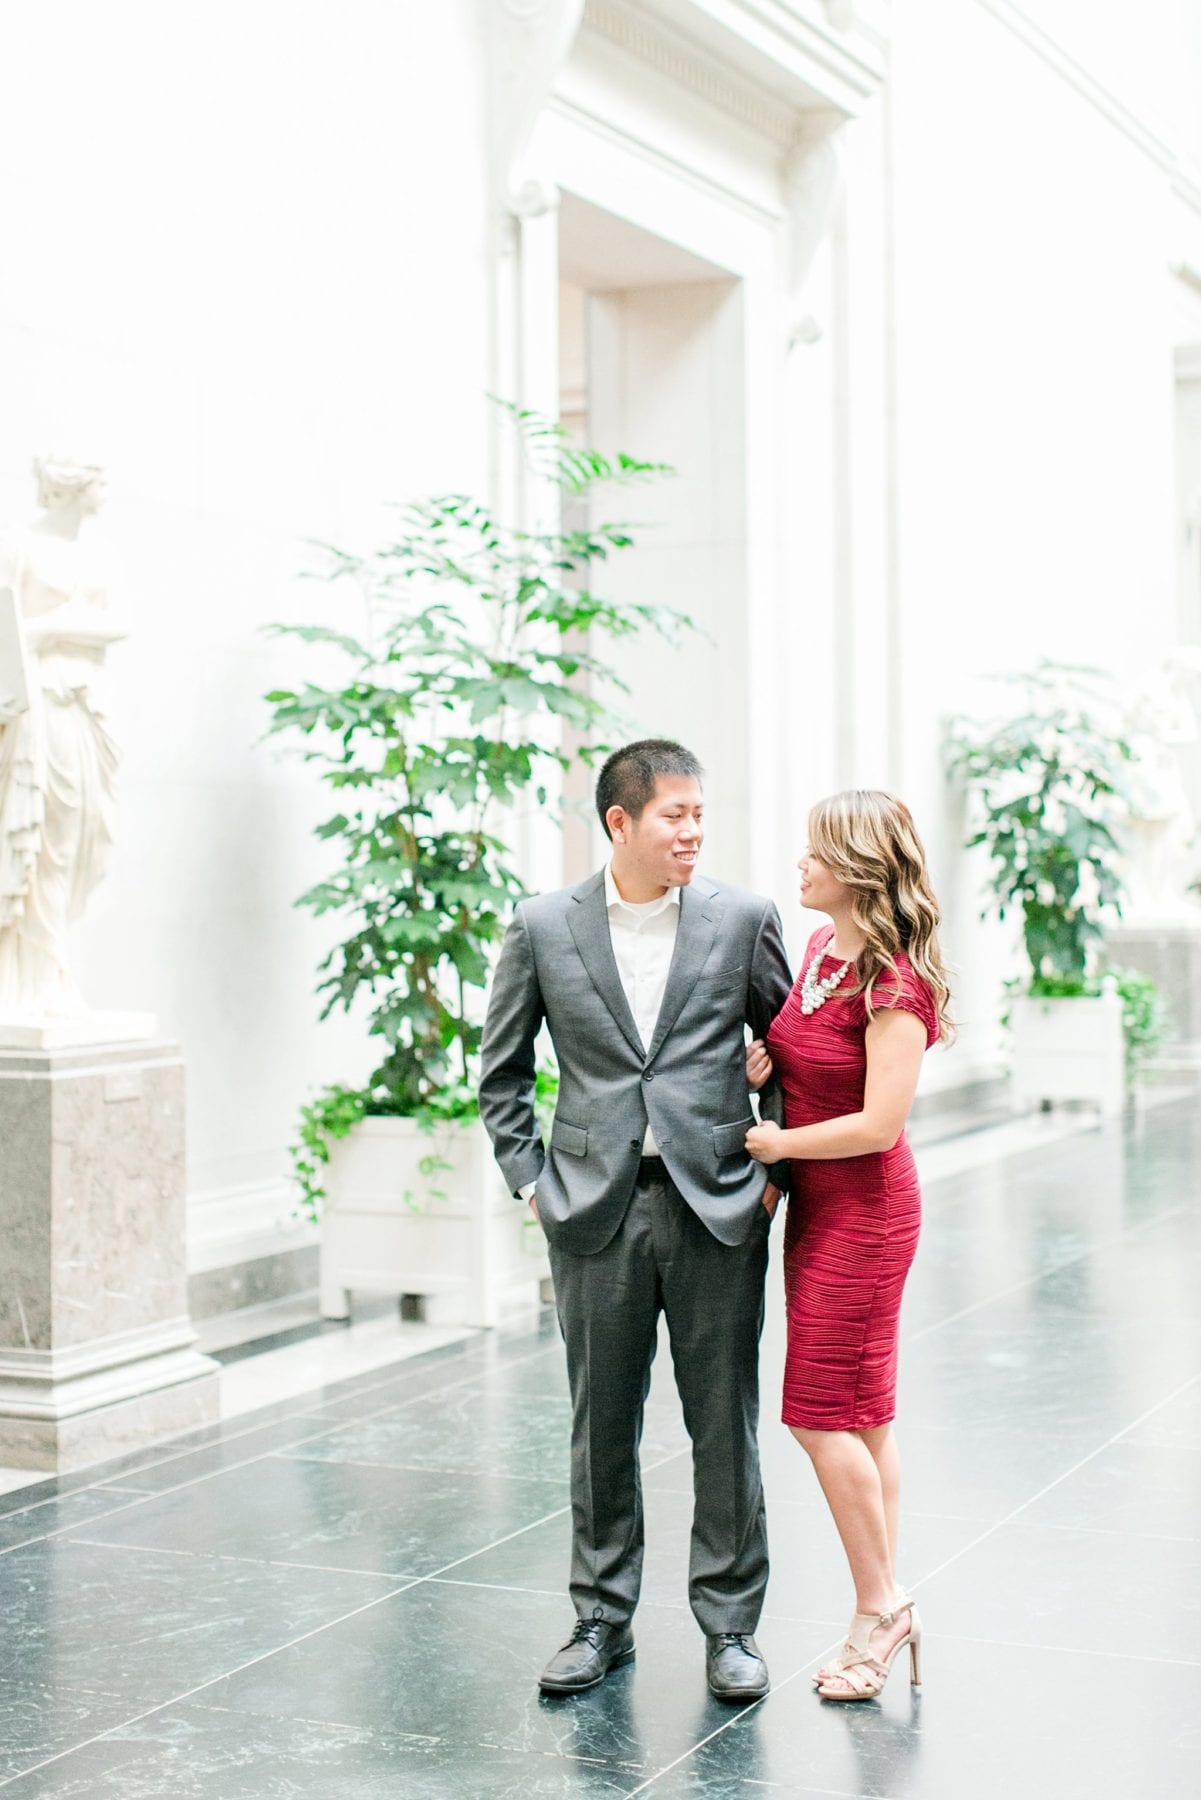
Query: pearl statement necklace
(815, 993)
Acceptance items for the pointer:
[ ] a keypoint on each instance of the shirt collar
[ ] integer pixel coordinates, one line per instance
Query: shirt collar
(613, 898)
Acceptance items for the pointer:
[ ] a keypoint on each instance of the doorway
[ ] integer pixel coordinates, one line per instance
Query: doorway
(652, 362)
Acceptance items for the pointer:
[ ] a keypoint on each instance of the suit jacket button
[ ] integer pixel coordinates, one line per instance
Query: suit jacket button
(648, 1074)
(634, 1143)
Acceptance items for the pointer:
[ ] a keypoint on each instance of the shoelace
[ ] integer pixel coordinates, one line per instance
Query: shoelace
(731, 1640)
(587, 1630)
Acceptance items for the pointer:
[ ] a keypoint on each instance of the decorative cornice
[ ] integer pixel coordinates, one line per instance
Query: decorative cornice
(771, 107)
(670, 53)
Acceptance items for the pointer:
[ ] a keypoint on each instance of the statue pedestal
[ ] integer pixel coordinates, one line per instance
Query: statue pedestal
(1168, 949)
(96, 1347)
(50, 1033)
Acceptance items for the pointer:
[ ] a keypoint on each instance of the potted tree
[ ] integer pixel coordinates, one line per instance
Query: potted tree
(478, 644)
(1046, 784)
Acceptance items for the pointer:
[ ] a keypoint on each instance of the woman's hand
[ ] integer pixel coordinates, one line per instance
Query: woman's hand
(763, 1142)
(758, 1064)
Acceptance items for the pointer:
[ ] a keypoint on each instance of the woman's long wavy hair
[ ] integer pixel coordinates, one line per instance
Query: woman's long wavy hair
(868, 841)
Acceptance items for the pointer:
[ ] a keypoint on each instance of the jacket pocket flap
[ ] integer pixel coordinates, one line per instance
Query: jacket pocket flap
(569, 1138)
(728, 1139)
(715, 979)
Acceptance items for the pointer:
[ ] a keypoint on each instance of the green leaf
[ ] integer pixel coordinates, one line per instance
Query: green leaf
(482, 669)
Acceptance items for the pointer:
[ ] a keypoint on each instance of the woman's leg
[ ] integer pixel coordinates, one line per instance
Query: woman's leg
(883, 1447)
(859, 1494)
(850, 1480)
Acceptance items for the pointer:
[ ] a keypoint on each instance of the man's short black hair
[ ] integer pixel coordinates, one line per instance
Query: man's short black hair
(629, 775)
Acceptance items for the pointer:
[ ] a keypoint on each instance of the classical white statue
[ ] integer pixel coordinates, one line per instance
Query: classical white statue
(58, 762)
(1162, 726)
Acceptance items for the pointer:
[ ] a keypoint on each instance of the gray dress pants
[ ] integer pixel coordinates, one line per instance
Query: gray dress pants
(663, 1259)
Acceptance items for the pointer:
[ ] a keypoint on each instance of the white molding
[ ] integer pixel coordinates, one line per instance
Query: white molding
(646, 38)
(1186, 179)
(229, 1226)
(65, 1362)
(622, 138)
(694, 43)
(48, 1385)
(840, 60)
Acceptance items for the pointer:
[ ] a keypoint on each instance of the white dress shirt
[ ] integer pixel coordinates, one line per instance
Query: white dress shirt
(643, 935)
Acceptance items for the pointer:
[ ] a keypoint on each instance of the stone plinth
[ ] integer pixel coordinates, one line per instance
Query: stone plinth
(1170, 953)
(96, 1347)
(73, 1033)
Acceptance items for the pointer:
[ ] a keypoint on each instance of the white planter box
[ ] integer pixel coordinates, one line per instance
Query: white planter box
(1069, 1049)
(454, 1235)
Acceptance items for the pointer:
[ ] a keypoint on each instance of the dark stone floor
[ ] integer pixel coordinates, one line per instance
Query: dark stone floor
(351, 1595)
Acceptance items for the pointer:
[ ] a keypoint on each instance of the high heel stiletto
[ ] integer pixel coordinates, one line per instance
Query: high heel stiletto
(902, 1602)
(862, 1675)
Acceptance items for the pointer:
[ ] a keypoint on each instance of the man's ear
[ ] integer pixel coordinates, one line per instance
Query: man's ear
(617, 819)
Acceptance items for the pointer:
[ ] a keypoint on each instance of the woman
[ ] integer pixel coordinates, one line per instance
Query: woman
(847, 1046)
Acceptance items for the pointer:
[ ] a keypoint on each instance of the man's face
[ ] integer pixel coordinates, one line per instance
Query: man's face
(661, 847)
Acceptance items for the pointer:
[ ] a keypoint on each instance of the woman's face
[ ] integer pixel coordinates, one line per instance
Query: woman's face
(821, 891)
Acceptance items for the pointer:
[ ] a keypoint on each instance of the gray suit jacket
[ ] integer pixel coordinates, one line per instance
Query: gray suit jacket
(728, 969)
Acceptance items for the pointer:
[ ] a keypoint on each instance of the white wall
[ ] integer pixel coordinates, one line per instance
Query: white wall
(244, 263)
(1035, 393)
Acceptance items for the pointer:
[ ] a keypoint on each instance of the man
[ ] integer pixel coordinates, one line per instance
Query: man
(646, 975)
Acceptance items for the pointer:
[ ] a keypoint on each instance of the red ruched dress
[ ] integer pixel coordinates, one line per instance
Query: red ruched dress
(853, 1221)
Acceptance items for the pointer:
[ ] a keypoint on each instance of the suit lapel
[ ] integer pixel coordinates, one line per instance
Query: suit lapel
(588, 920)
(700, 915)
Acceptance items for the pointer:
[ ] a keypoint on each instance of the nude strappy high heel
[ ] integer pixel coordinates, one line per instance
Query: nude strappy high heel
(902, 1601)
(860, 1675)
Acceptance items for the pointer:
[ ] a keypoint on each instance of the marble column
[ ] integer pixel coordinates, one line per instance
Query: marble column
(96, 1348)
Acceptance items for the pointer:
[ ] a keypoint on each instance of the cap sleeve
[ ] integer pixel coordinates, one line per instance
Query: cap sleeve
(908, 994)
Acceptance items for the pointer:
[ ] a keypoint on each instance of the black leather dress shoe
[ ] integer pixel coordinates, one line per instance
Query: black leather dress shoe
(594, 1647)
(734, 1666)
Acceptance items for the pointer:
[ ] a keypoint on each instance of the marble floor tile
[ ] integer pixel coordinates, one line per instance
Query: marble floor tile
(472, 1428)
(1148, 1274)
(150, 1624)
(1175, 1422)
(992, 1721)
(335, 1515)
(43, 1716)
(392, 1670)
(70, 1511)
(1135, 1598)
(1044, 1368)
(196, 1752)
(231, 1450)
(1144, 1489)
